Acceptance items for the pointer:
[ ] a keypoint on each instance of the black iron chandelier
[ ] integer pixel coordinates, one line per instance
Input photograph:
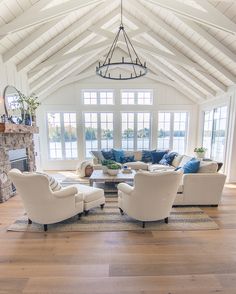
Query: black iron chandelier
(132, 63)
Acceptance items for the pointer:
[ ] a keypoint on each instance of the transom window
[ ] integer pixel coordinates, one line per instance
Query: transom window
(62, 135)
(172, 131)
(135, 130)
(98, 131)
(95, 97)
(134, 97)
(214, 132)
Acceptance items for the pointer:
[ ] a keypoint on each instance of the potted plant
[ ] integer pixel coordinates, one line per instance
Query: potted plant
(31, 105)
(113, 169)
(200, 152)
(105, 164)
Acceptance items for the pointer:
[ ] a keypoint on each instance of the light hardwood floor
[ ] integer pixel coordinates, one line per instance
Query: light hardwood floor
(196, 262)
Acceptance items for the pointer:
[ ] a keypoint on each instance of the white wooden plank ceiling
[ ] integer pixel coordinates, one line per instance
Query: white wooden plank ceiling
(188, 44)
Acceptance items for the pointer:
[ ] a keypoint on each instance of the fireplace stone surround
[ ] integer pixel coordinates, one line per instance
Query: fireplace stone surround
(14, 137)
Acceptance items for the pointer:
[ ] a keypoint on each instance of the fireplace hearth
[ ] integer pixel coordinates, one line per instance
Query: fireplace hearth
(16, 151)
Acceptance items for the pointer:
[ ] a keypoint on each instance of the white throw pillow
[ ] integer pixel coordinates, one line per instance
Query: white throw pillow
(176, 161)
(53, 183)
(208, 167)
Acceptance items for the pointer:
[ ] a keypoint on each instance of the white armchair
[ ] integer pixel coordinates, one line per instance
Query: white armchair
(152, 196)
(42, 205)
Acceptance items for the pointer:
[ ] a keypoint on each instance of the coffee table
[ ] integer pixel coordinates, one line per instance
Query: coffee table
(109, 183)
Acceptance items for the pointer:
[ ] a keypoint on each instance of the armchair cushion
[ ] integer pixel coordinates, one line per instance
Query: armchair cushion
(66, 192)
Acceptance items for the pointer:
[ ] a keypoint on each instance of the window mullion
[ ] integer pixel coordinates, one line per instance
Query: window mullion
(62, 135)
(171, 130)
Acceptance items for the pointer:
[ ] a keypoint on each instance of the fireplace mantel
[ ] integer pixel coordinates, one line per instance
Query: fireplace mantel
(9, 128)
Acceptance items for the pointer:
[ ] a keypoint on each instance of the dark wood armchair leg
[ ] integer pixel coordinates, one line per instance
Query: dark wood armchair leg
(144, 224)
(86, 212)
(121, 211)
(79, 215)
(166, 220)
(102, 205)
(45, 227)
(29, 221)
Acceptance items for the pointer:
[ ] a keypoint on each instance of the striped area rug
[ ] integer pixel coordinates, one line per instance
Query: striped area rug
(110, 219)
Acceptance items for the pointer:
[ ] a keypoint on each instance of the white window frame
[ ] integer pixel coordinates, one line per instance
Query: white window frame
(98, 92)
(136, 92)
(63, 149)
(99, 129)
(136, 129)
(172, 113)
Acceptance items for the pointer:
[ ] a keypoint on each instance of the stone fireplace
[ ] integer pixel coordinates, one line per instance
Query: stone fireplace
(16, 151)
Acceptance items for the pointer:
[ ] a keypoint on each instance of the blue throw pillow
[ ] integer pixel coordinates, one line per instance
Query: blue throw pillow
(108, 155)
(191, 166)
(118, 153)
(157, 155)
(168, 158)
(147, 155)
(125, 159)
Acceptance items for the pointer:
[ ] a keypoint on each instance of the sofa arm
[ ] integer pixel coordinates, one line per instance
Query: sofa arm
(203, 188)
(125, 188)
(66, 192)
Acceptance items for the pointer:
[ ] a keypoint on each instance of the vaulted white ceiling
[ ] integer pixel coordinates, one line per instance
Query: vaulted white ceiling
(188, 44)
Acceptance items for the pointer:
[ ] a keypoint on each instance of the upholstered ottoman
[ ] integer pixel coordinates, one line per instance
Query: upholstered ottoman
(92, 197)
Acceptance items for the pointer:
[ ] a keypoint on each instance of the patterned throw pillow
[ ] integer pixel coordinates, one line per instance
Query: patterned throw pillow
(158, 155)
(126, 159)
(118, 154)
(147, 155)
(168, 158)
(53, 183)
(108, 155)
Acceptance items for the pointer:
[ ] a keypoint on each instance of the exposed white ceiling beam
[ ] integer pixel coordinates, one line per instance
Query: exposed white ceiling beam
(73, 69)
(10, 53)
(84, 21)
(152, 18)
(35, 15)
(84, 35)
(207, 36)
(210, 16)
(171, 74)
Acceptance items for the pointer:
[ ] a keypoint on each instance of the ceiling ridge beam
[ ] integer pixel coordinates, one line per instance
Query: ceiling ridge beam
(211, 17)
(36, 16)
(186, 42)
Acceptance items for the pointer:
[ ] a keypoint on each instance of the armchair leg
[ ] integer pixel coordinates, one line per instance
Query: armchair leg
(144, 225)
(86, 212)
(45, 227)
(121, 211)
(102, 205)
(29, 221)
(79, 215)
(166, 220)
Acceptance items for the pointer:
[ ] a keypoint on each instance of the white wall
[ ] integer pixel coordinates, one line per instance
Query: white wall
(10, 76)
(228, 99)
(68, 98)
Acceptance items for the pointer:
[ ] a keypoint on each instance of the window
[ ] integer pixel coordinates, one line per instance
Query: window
(140, 97)
(62, 136)
(172, 131)
(214, 132)
(135, 130)
(98, 97)
(98, 131)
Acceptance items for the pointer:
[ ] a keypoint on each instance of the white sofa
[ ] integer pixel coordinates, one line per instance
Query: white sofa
(154, 205)
(202, 188)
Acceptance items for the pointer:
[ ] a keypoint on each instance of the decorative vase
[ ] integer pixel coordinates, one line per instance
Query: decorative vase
(28, 120)
(200, 155)
(113, 172)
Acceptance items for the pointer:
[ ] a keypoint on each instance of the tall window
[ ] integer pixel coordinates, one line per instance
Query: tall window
(140, 97)
(135, 130)
(101, 97)
(62, 135)
(172, 131)
(214, 133)
(98, 131)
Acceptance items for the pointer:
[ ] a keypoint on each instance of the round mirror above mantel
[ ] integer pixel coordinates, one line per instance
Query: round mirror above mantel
(14, 110)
